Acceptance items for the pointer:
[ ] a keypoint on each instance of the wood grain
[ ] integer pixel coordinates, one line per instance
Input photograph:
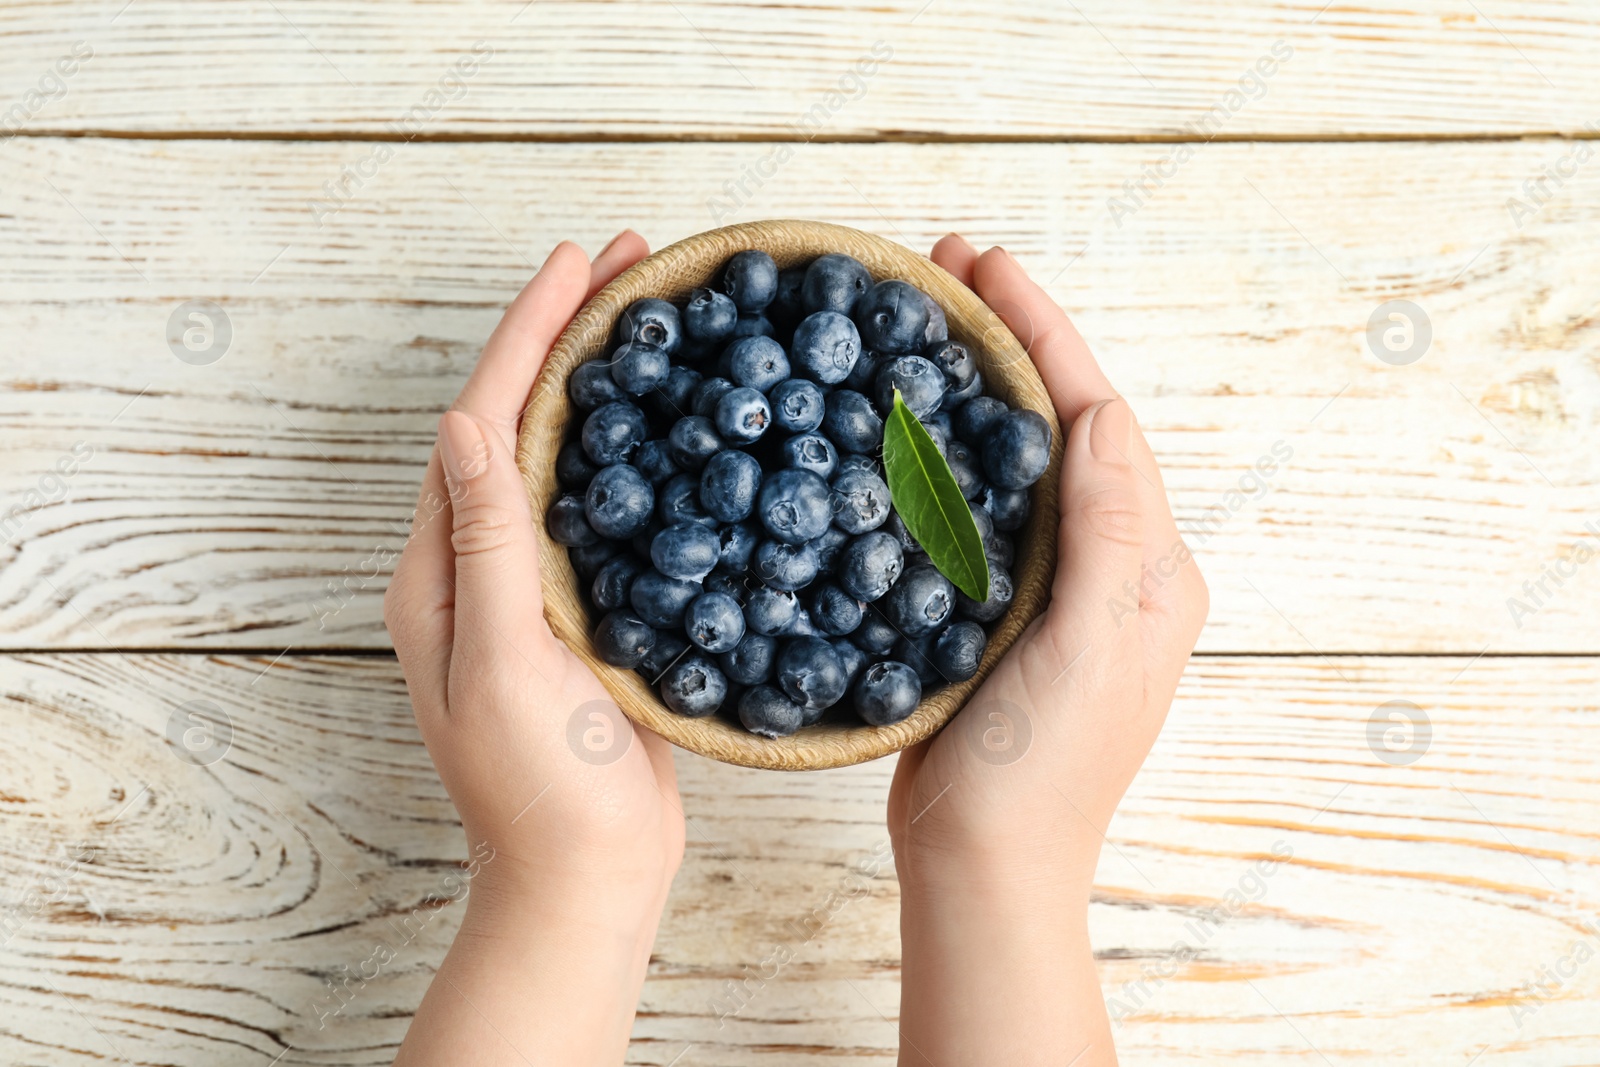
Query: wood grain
(774, 69)
(252, 503)
(1410, 907)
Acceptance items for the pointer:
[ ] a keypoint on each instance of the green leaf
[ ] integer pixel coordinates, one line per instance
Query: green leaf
(929, 501)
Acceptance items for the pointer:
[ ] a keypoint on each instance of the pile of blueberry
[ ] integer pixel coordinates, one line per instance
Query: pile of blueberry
(725, 498)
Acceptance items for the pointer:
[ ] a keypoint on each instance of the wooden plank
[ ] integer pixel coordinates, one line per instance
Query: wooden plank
(221, 501)
(1014, 69)
(1408, 911)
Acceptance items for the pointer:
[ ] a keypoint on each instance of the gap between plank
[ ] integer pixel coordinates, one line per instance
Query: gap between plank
(877, 137)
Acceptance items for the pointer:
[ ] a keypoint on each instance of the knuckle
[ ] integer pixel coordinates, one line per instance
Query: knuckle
(482, 528)
(1113, 514)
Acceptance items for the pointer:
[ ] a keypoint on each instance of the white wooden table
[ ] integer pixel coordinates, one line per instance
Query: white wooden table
(360, 188)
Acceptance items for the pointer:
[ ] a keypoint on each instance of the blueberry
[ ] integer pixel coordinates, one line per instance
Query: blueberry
(860, 501)
(591, 385)
(751, 661)
(784, 566)
(654, 461)
(810, 452)
(870, 565)
(938, 329)
(765, 711)
(917, 653)
(940, 439)
(565, 522)
(1008, 507)
(955, 361)
(618, 502)
(963, 463)
(797, 405)
(675, 396)
(865, 372)
(729, 484)
(753, 326)
(669, 648)
(834, 611)
(637, 368)
(811, 673)
(830, 546)
(707, 394)
(1016, 450)
(743, 415)
(955, 398)
(892, 317)
(613, 433)
(679, 501)
(694, 687)
(610, 589)
(887, 693)
(785, 309)
(692, 351)
(854, 660)
(920, 601)
(714, 622)
(920, 384)
(722, 582)
(794, 506)
(834, 282)
(738, 546)
(692, 440)
(573, 469)
(758, 362)
(770, 611)
(958, 650)
(857, 461)
(661, 601)
(908, 544)
(623, 639)
(826, 346)
(875, 636)
(999, 549)
(651, 320)
(751, 280)
(709, 317)
(938, 425)
(802, 626)
(973, 418)
(588, 559)
(851, 422)
(686, 550)
(1000, 594)
(641, 540)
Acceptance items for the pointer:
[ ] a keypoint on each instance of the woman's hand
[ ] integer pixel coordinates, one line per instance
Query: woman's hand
(573, 847)
(998, 821)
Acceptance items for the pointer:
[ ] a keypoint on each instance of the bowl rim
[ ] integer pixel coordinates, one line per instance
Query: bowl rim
(671, 273)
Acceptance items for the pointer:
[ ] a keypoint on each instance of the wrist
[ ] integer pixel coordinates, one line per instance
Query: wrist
(945, 869)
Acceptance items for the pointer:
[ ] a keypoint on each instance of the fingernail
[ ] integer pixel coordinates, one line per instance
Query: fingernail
(462, 450)
(964, 242)
(1109, 431)
(613, 241)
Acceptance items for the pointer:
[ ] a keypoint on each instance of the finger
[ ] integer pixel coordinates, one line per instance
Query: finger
(498, 598)
(1071, 375)
(955, 254)
(1103, 523)
(625, 249)
(419, 605)
(499, 386)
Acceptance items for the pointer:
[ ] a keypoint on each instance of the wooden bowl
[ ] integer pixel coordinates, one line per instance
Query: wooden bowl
(671, 274)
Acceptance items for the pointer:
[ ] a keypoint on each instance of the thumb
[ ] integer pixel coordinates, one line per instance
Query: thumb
(1096, 590)
(498, 598)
